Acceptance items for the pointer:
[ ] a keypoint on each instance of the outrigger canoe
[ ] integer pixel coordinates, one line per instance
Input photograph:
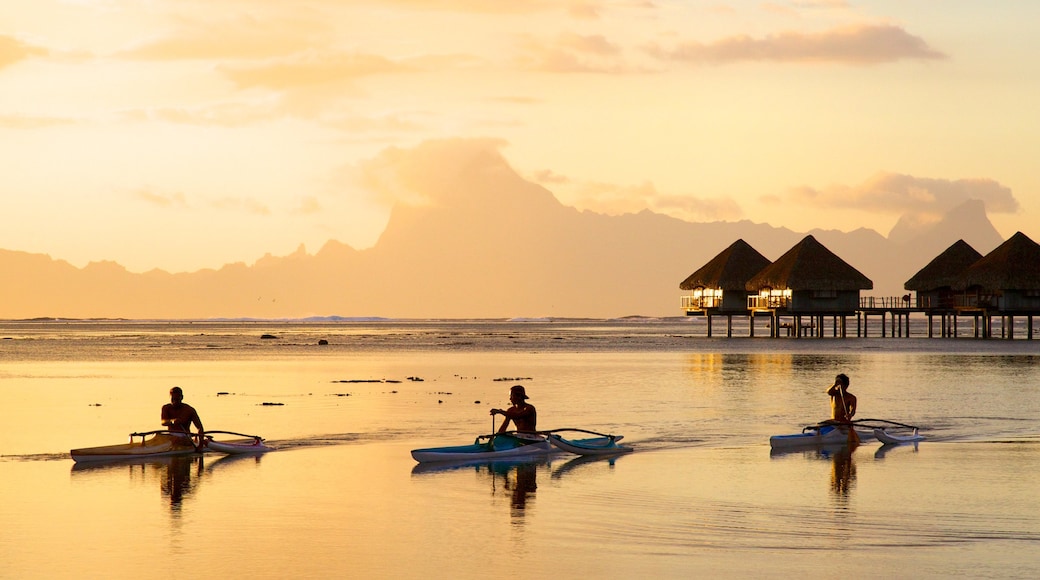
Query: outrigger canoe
(160, 444)
(519, 445)
(510, 445)
(828, 433)
(168, 444)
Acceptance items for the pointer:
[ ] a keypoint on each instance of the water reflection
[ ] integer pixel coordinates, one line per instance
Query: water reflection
(843, 471)
(517, 479)
(843, 466)
(178, 476)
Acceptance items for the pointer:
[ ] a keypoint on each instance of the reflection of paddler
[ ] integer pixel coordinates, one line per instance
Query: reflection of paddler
(177, 482)
(526, 483)
(843, 472)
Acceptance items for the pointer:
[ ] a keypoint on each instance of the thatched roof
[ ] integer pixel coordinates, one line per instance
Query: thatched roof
(946, 269)
(730, 270)
(1014, 265)
(810, 266)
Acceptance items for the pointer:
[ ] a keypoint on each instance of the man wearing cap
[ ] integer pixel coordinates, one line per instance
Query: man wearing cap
(523, 415)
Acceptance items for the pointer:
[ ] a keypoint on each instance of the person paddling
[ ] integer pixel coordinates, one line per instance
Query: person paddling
(179, 416)
(522, 414)
(843, 403)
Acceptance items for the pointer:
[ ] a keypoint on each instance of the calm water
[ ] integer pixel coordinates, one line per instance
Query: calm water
(341, 497)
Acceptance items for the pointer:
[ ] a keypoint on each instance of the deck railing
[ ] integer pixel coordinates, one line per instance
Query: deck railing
(759, 302)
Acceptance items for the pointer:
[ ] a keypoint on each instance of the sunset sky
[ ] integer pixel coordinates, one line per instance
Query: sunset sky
(186, 134)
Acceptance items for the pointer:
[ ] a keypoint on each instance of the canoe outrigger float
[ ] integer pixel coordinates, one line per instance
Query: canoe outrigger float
(168, 444)
(512, 445)
(829, 433)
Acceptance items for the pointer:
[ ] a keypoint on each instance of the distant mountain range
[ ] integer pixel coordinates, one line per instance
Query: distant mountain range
(495, 246)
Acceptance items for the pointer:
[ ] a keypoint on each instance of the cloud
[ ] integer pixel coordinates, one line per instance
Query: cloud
(414, 176)
(13, 51)
(246, 205)
(309, 205)
(612, 199)
(220, 115)
(571, 53)
(24, 122)
(242, 38)
(311, 69)
(861, 45)
(161, 199)
(895, 193)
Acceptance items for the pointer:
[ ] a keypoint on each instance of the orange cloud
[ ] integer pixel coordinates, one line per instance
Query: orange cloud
(13, 50)
(411, 176)
(570, 53)
(161, 199)
(612, 199)
(311, 69)
(242, 38)
(23, 122)
(862, 45)
(895, 193)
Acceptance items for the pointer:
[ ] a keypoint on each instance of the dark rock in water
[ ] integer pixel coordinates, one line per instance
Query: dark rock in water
(222, 393)
(267, 336)
(323, 342)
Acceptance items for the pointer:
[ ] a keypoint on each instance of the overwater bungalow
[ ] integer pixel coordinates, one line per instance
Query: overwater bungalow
(934, 283)
(719, 287)
(809, 281)
(1005, 282)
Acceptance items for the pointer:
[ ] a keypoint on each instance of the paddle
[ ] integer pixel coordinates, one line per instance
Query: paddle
(853, 436)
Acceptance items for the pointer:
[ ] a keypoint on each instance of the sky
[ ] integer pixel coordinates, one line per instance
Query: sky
(188, 134)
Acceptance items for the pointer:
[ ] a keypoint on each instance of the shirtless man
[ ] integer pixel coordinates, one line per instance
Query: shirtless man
(523, 415)
(843, 403)
(180, 416)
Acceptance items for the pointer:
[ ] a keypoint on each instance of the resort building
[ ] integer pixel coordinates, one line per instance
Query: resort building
(719, 287)
(1005, 283)
(934, 285)
(811, 283)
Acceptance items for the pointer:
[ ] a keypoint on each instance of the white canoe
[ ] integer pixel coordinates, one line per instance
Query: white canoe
(818, 436)
(160, 444)
(591, 446)
(892, 439)
(238, 446)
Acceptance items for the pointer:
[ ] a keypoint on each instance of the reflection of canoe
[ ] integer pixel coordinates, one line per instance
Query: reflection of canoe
(605, 445)
(817, 435)
(160, 444)
(487, 447)
(248, 444)
(894, 439)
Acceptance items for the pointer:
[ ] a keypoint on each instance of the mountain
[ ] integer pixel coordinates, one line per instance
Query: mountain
(484, 244)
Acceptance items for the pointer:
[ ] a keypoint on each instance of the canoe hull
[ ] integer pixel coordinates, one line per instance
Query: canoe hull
(159, 445)
(825, 435)
(590, 446)
(238, 447)
(499, 447)
(892, 439)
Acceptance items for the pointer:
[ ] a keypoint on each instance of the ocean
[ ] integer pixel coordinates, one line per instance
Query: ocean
(344, 401)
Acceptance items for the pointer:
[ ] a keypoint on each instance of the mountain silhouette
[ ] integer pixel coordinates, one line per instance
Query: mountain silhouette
(478, 241)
